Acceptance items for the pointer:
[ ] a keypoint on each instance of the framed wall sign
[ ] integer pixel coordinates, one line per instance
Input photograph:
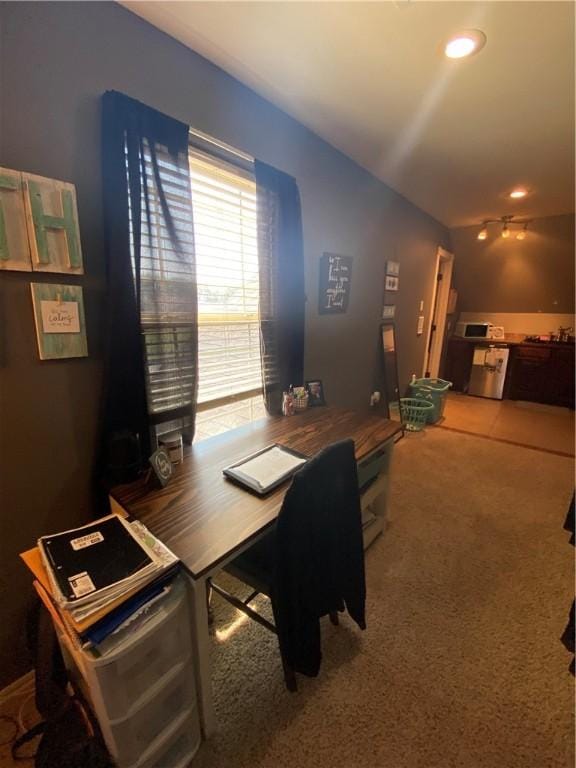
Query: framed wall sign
(391, 283)
(388, 311)
(393, 268)
(334, 286)
(59, 318)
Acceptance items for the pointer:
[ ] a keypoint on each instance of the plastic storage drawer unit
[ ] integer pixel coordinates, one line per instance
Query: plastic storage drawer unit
(176, 747)
(141, 689)
(129, 738)
(121, 678)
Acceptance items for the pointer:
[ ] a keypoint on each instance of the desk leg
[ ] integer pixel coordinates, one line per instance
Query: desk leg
(201, 654)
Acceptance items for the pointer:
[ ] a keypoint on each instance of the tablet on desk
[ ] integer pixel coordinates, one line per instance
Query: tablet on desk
(265, 470)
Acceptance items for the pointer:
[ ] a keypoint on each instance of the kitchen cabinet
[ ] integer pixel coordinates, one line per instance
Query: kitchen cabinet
(543, 374)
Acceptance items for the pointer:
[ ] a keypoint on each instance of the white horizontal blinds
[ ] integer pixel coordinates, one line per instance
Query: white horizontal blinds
(168, 288)
(224, 206)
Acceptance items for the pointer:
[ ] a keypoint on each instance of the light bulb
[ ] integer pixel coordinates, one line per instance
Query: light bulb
(521, 235)
(460, 47)
(483, 234)
(464, 44)
(505, 231)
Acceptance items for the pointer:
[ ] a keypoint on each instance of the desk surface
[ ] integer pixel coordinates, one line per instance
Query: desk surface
(203, 518)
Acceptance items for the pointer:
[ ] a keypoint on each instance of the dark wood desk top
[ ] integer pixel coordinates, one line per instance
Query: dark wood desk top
(203, 518)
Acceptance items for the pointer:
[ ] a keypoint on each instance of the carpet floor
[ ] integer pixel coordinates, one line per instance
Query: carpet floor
(461, 664)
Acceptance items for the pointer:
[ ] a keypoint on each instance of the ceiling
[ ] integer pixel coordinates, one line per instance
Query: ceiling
(453, 136)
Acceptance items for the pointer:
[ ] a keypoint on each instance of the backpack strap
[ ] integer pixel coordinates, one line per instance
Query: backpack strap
(31, 733)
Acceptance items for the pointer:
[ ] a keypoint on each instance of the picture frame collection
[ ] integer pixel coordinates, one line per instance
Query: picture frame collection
(391, 285)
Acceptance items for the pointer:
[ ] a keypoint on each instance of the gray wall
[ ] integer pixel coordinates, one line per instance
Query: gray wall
(56, 61)
(531, 275)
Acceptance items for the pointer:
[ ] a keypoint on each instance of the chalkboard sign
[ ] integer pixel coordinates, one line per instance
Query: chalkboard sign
(335, 276)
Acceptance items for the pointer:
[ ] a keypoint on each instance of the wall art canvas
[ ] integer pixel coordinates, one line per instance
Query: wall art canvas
(393, 268)
(335, 276)
(53, 227)
(39, 227)
(59, 318)
(14, 247)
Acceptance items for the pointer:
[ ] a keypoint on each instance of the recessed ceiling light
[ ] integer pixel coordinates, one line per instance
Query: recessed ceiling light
(516, 194)
(465, 44)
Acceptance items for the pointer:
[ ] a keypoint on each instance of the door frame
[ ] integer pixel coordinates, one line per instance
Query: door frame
(439, 309)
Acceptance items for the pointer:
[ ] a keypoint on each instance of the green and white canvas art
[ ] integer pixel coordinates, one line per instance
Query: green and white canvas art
(59, 318)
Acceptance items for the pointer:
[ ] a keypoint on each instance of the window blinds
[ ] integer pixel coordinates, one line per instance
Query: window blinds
(225, 233)
(167, 286)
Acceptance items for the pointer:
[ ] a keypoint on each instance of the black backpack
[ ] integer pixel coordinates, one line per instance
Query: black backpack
(70, 737)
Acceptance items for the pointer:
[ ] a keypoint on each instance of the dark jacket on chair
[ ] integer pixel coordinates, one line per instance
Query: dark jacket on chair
(319, 554)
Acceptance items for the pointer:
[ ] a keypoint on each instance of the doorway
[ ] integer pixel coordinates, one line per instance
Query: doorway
(439, 303)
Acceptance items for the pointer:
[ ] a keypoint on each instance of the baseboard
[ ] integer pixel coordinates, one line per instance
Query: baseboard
(23, 685)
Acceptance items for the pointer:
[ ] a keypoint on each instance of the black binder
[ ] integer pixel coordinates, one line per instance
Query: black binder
(93, 557)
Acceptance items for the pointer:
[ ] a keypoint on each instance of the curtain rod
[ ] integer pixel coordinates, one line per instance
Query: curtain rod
(204, 138)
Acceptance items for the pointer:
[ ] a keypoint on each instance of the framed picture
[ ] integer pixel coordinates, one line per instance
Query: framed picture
(388, 311)
(59, 317)
(315, 393)
(393, 268)
(391, 283)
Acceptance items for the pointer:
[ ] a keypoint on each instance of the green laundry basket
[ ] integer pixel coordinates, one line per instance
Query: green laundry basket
(415, 412)
(435, 389)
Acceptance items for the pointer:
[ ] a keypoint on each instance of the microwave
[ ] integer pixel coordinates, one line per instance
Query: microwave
(473, 330)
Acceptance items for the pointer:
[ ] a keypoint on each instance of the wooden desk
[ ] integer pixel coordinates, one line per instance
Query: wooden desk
(206, 520)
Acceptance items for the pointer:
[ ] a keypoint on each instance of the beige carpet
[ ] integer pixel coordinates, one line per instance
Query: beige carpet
(461, 664)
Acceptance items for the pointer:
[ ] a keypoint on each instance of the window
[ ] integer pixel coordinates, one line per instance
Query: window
(223, 244)
(226, 249)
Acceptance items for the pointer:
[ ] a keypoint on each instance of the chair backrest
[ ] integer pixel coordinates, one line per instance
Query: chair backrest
(319, 548)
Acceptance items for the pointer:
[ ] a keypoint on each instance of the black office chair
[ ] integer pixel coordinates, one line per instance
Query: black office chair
(312, 562)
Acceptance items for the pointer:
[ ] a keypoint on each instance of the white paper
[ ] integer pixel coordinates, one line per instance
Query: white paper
(479, 356)
(86, 541)
(60, 317)
(268, 467)
(81, 584)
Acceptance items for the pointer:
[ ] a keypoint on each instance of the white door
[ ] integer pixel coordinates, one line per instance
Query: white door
(439, 304)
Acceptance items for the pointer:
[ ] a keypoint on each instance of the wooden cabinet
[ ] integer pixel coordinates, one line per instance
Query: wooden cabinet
(542, 374)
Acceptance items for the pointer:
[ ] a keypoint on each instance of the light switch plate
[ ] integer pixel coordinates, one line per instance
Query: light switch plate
(420, 329)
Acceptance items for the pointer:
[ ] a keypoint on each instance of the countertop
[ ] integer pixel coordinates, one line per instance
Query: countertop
(516, 339)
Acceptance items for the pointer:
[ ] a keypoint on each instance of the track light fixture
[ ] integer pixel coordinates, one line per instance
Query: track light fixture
(507, 222)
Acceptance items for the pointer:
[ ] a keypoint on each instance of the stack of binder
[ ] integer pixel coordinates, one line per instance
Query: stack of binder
(101, 580)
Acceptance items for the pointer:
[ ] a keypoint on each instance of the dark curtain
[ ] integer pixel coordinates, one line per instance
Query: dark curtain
(282, 299)
(152, 344)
